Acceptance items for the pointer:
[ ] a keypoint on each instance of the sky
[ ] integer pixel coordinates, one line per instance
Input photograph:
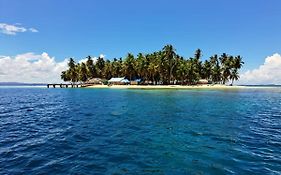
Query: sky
(36, 37)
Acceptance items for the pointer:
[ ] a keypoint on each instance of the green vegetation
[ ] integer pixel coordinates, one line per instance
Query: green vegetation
(162, 67)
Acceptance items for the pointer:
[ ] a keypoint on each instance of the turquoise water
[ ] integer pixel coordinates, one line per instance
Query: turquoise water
(103, 131)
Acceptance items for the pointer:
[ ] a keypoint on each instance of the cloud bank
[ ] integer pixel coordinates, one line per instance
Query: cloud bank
(32, 68)
(41, 68)
(10, 29)
(267, 73)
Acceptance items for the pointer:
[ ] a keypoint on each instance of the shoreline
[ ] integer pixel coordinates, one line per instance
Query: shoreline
(166, 87)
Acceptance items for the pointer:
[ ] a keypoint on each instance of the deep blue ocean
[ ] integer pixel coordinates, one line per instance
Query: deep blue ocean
(111, 131)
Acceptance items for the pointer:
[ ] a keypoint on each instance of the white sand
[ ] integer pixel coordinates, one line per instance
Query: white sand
(167, 87)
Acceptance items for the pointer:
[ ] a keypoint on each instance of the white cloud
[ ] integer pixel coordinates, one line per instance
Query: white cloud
(33, 30)
(10, 29)
(83, 60)
(31, 68)
(102, 56)
(268, 73)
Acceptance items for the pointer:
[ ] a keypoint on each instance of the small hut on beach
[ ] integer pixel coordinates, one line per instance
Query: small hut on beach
(203, 81)
(136, 82)
(94, 81)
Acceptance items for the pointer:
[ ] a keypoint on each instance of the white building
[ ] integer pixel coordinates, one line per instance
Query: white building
(119, 81)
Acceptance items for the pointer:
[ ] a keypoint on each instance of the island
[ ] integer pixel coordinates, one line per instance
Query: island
(160, 69)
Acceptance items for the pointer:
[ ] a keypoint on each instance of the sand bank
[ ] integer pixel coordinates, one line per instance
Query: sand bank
(166, 87)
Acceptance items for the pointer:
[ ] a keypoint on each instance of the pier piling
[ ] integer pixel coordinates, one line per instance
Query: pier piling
(64, 85)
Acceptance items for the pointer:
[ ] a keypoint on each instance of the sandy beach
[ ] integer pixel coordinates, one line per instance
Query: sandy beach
(166, 87)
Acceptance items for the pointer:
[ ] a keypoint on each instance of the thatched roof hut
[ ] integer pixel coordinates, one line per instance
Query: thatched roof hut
(203, 81)
(94, 81)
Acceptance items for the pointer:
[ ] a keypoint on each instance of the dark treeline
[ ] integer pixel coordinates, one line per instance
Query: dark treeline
(162, 67)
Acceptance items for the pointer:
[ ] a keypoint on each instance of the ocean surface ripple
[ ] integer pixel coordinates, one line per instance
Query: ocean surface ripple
(103, 131)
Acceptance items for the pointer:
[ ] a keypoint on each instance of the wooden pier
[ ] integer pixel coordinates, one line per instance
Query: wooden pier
(64, 85)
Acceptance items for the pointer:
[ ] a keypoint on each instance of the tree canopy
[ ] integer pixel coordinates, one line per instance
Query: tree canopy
(160, 67)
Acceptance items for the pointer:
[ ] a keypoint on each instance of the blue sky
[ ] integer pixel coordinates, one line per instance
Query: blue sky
(69, 28)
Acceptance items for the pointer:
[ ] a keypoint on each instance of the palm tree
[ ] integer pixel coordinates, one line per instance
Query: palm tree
(153, 70)
(73, 74)
(182, 71)
(216, 69)
(234, 75)
(83, 76)
(139, 65)
(129, 64)
(206, 70)
(107, 70)
(116, 67)
(223, 58)
(197, 62)
(91, 70)
(238, 63)
(65, 75)
(198, 54)
(169, 60)
(193, 73)
(226, 67)
(71, 63)
(99, 66)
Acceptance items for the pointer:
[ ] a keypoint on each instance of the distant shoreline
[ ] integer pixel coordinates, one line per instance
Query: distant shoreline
(216, 86)
(21, 84)
(165, 87)
(205, 86)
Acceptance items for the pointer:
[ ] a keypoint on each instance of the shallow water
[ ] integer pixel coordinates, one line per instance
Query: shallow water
(111, 131)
